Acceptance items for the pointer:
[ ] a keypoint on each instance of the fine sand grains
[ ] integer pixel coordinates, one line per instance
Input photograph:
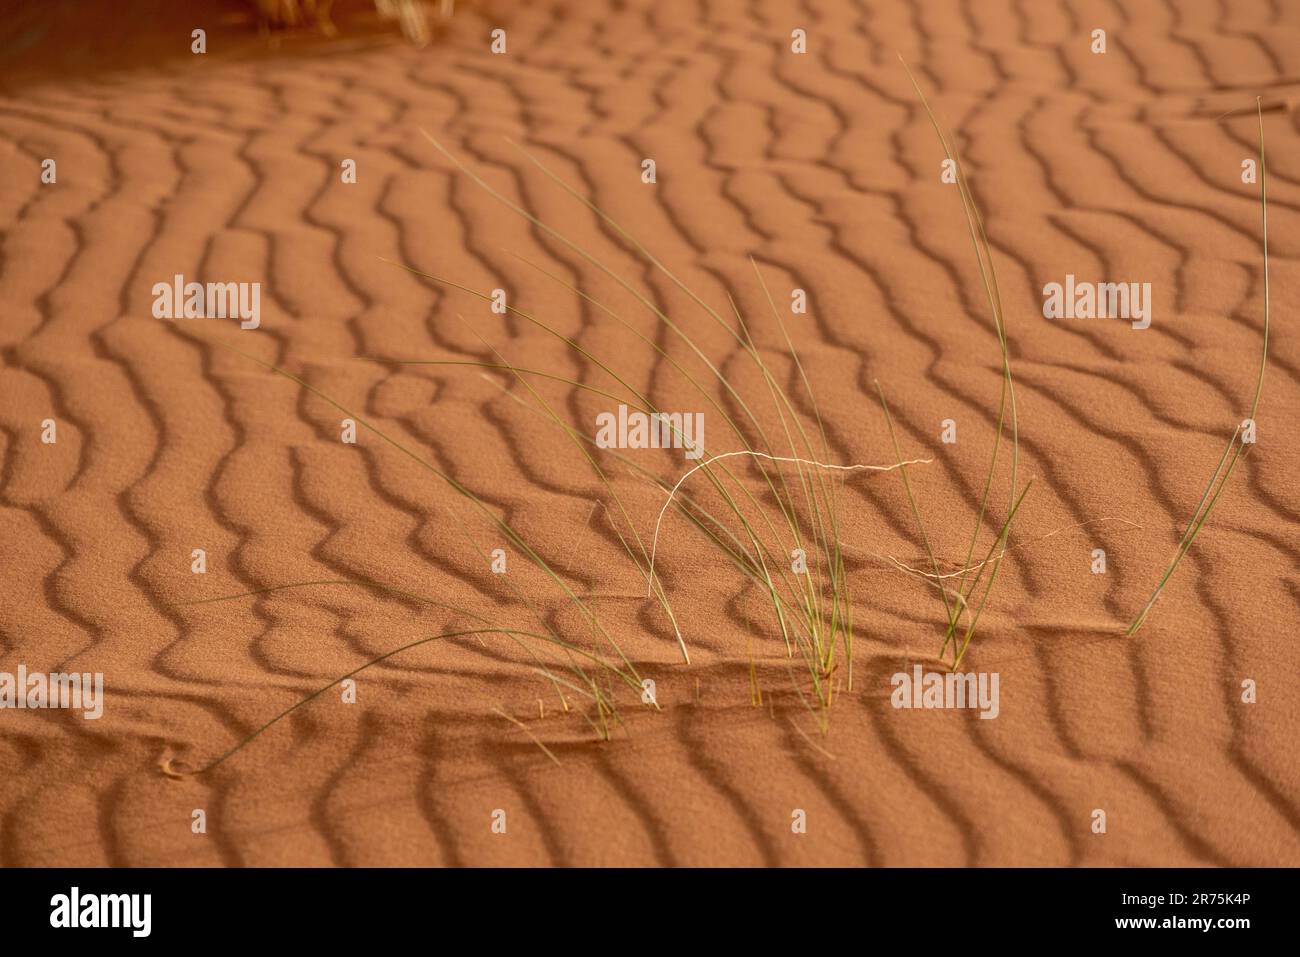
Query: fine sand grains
(774, 171)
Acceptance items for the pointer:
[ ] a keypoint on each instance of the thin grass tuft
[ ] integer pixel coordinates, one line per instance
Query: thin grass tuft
(1236, 448)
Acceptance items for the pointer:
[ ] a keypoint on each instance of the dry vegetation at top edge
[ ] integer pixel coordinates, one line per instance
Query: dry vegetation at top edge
(412, 16)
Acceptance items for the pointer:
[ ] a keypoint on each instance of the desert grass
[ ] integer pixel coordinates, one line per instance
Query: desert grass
(1236, 449)
(586, 665)
(972, 574)
(812, 610)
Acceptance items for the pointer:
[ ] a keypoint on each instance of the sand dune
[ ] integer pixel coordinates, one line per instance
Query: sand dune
(824, 169)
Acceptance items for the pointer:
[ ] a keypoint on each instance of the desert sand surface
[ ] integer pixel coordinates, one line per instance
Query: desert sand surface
(774, 171)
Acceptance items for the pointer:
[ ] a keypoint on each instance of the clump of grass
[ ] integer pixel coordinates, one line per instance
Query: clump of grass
(971, 574)
(1236, 449)
(587, 666)
(813, 610)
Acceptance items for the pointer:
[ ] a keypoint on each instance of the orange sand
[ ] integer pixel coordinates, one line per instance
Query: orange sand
(824, 169)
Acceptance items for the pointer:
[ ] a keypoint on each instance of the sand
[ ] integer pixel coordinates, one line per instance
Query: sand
(825, 170)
